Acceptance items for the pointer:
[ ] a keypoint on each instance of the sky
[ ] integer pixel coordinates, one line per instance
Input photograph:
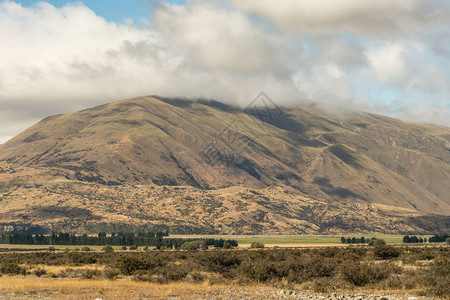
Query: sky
(386, 56)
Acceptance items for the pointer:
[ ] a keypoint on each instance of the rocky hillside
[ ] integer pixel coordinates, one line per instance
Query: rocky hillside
(206, 167)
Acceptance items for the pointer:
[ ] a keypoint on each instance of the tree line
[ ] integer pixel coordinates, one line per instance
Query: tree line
(61, 238)
(413, 239)
(115, 239)
(354, 240)
(437, 238)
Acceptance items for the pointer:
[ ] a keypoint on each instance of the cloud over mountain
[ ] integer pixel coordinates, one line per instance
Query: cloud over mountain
(385, 56)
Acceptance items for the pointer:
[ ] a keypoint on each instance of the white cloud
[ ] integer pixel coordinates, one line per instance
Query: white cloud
(340, 52)
(381, 17)
(56, 60)
(390, 64)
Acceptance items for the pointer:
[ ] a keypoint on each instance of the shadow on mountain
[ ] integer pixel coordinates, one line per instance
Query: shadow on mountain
(431, 223)
(184, 102)
(331, 190)
(283, 121)
(53, 212)
(344, 154)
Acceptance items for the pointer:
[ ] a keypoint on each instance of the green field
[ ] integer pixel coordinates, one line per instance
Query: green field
(243, 240)
(390, 239)
(297, 239)
(291, 240)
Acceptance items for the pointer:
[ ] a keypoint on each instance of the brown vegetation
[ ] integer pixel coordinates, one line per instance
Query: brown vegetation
(424, 270)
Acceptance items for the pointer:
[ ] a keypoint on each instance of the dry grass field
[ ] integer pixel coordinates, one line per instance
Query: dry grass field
(32, 288)
(36, 288)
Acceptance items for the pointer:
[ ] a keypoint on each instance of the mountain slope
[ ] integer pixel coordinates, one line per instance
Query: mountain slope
(366, 167)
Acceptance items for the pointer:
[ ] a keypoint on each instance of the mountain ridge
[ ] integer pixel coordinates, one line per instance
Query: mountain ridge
(202, 147)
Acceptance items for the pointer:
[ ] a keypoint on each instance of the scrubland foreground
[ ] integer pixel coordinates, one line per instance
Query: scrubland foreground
(252, 274)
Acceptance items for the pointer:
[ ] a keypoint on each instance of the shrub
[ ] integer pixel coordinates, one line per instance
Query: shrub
(261, 272)
(12, 268)
(51, 249)
(86, 249)
(39, 272)
(323, 284)
(130, 264)
(386, 252)
(146, 276)
(363, 274)
(393, 282)
(375, 241)
(124, 248)
(195, 277)
(108, 248)
(194, 245)
(256, 245)
(62, 274)
(437, 277)
(111, 273)
(227, 245)
(221, 262)
(90, 273)
(133, 247)
(176, 274)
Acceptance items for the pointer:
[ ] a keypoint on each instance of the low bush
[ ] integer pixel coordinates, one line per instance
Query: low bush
(128, 265)
(111, 273)
(91, 273)
(386, 252)
(39, 272)
(375, 241)
(195, 277)
(108, 248)
(437, 277)
(220, 262)
(194, 245)
(12, 268)
(361, 274)
(256, 245)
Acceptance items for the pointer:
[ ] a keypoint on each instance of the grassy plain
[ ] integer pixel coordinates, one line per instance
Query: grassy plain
(292, 241)
(297, 240)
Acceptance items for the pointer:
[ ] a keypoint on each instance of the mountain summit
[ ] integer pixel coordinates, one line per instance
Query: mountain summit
(202, 166)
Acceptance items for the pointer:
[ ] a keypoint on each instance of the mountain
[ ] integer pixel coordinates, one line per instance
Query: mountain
(205, 167)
